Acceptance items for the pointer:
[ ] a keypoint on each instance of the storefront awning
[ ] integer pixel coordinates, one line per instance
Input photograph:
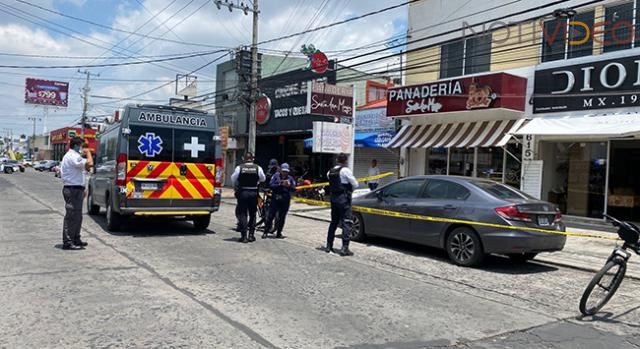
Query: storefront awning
(610, 125)
(456, 135)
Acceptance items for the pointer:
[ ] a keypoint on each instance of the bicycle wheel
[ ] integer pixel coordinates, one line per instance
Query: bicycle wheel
(603, 286)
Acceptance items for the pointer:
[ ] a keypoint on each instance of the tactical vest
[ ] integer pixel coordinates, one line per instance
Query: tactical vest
(335, 185)
(248, 177)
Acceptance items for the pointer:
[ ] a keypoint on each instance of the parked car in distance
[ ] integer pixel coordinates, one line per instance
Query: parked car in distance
(14, 163)
(47, 166)
(462, 199)
(9, 166)
(38, 166)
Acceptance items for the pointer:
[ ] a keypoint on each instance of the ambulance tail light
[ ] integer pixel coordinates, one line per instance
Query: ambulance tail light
(219, 172)
(121, 170)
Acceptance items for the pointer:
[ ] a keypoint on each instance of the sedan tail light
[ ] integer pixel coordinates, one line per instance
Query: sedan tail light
(513, 213)
(121, 169)
(558, 216)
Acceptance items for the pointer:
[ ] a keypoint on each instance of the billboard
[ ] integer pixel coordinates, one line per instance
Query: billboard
(46, 92)
(332, 138)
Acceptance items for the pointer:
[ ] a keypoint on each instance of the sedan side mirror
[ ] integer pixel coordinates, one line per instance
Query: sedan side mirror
(379, 195)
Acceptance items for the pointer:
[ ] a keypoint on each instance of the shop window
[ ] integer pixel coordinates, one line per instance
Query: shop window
(618, 28)
(437, 161)
(490, 162)
(477, 54)
(461, 162)
(624, 189)
(451, 59)
(553, 40)
(581, 38)
(513, 158)
(574, 177)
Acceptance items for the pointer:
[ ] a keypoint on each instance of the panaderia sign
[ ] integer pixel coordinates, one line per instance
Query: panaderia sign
(478, 92)
(613, 83)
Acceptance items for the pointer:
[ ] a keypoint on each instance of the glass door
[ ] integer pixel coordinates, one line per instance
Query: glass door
(575, 176)
(624, 183)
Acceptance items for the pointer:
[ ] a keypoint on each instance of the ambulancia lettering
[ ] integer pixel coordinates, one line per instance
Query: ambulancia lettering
(182, 120)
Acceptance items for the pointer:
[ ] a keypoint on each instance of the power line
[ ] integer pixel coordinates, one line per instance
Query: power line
(166, 84)
(182, 42)
(107, 64)
(11, 54)
(340, 22)
(108, 49)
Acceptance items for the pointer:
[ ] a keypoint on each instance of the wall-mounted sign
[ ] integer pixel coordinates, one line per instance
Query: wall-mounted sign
(330, 100)
(318, 61)
(612, 83)
(479, 92)
(332, 138)
(374, 120)
(288, 95)
(263, 110)
(46, 92)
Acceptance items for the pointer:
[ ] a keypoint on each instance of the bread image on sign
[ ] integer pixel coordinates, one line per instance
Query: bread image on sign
(480, 96)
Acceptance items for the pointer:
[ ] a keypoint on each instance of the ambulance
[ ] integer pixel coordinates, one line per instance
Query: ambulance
(157, 161)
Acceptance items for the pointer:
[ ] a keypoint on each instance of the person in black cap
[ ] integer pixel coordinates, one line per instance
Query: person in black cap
(248, 176)
(341, 185)
(282, 186)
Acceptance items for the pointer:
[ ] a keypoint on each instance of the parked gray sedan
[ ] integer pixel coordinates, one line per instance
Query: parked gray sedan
(461, 198)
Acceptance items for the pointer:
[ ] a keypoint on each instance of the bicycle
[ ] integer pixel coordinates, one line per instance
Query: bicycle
(609, 278)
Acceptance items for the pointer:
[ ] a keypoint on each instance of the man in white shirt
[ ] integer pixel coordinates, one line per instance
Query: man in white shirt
(373, 171)
(341, 184)
(72, 170)
(246, 178)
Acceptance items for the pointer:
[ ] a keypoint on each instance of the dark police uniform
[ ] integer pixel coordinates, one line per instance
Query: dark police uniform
(341, 185)
(247, 176)
(280, 202)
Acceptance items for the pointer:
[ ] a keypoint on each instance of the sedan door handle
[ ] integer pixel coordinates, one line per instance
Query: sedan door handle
(449, 207)
(404, 207)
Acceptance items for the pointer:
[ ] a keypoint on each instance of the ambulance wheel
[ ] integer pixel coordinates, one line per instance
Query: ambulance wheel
(201, 222)
(114, 219)
(92, 208)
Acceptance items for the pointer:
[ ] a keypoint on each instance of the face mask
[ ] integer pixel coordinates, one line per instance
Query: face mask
(77, 149)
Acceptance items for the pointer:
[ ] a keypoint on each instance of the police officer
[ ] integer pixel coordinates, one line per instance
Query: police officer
(282, 186)
(248, 176)
(341, 185)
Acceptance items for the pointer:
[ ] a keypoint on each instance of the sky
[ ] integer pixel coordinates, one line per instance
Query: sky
(25, 29)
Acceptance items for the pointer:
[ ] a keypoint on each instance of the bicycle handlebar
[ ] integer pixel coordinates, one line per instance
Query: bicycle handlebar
(616, 222)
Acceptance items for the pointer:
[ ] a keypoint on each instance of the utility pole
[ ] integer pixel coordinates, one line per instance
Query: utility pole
(33, 136)
(85, 99)
(251, 147)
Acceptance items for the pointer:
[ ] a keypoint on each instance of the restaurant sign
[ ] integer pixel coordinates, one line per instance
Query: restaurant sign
(330, 100)
(470, 93)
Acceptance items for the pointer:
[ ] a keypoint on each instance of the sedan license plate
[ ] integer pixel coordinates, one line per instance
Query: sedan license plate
(543, 221)
(149, 186)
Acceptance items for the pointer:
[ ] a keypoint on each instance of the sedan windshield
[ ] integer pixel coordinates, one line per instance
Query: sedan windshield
(500, 191)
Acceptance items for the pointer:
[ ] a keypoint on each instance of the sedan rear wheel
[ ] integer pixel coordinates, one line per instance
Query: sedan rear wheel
(464, 247)
(357, 228)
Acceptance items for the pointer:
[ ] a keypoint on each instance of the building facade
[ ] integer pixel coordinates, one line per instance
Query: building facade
(571, 138)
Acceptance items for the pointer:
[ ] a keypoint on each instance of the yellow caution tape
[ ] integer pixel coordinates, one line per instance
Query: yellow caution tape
(364, 179)
(396, 214)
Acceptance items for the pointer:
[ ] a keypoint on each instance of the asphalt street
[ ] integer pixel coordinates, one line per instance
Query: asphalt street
(159, 284)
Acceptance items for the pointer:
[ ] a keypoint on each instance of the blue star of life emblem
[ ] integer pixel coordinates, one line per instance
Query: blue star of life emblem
(149, 144)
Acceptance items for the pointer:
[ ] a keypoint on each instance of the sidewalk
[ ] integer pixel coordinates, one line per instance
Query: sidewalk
(581, 253)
